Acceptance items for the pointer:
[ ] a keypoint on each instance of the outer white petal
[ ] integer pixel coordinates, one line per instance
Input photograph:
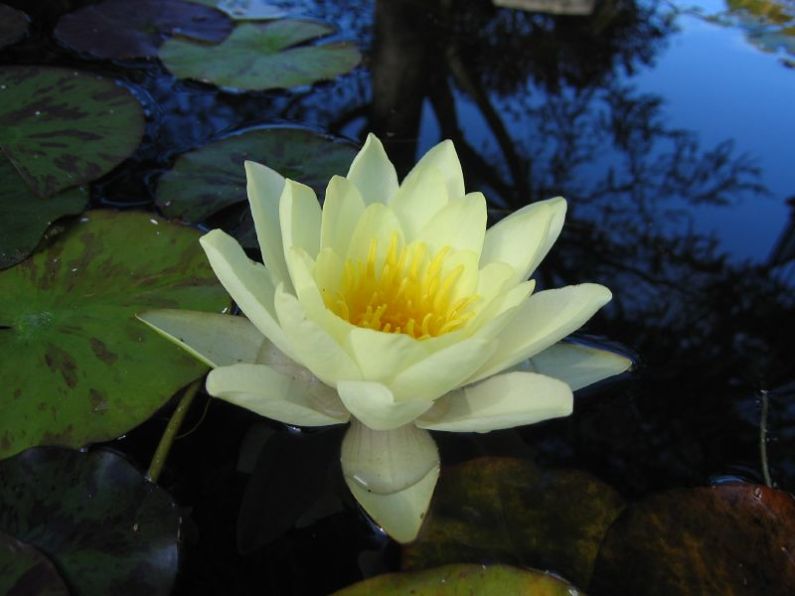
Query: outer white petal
(373, 173)
(380, 355)
(293, 399)
(375, 405)
(443, 158)
(461, 224)
(577, 365)
(299, 216)
(504, 401)
(215, 339)
(524, 238)
(248, 283)
(392, 474)
(342, 208)
(423, 193)
(544, 319)
(264, 187)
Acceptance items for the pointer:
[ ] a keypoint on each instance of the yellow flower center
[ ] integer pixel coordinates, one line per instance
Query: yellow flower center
(412, 292)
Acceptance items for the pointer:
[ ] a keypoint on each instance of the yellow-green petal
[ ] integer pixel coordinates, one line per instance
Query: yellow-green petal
(342, 208)
(461, 225)
(577, 365)
(375, 405)
(442, 157)
(373, 173)
(423, 193)
(300, 216)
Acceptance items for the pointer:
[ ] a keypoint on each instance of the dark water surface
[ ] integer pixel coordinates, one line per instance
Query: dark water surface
(672, 138)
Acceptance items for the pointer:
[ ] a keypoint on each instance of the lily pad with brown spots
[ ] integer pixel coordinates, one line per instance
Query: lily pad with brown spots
(507, 510)
(14, 25)
(208, 179)
(259, 56)
(77, 367)
(26, 217)
(60, 127)
(119, 29)
(107, 529)
(457, 580)
(25, 570)
(733, 539)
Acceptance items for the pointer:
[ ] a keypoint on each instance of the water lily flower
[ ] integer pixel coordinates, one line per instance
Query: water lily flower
(392, 308)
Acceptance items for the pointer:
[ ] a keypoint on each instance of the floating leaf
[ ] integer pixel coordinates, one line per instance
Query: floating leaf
(510, 511)
(26, 571)
(60, 128)
(76, 365)
(262, 56)
(728, 539)
(26, 216)
(107, 529)
(117, 29)
(456, 580)
(13, 25)
(246, 10)
(208, 179)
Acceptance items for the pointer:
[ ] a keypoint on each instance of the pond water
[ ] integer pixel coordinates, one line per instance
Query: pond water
(669, 128)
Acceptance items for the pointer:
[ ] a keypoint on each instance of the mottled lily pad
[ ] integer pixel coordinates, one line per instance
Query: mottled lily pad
(204, 181)
(456, 580)
(14, 25)
(118, 29)
(26, 216)
(258, 56)
(728, 539)
(26, 571)
(106, 528)
(76, 365)
(61, 128)
(246, 10)
(507, 510)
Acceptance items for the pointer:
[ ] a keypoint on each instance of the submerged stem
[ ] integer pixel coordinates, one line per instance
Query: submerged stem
(763, 439)
(170, 433)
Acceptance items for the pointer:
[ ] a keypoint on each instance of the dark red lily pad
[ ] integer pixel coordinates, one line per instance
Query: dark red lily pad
(14, 25)
(108, 529)
(117, 29)
(458, 580)
(61, 128)
(731, 539)
(26, 571)
(507, 510)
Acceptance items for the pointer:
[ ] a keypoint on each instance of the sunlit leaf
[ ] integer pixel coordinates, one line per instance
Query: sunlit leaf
(13, 25)
(76, 365)
(107, 529)
(262, 56)
(25, 570)
(60, 127)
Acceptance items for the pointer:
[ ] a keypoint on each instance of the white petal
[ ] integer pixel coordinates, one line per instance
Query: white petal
(443, 157)
(379, 223)
(264, 187)
(375, 406)
(577, 365)
(299, 216)
(504, 401)
(342, 208)
(392, 475)
(544, 319)
(373, 173)
(215, 339)
(297, 398)
(524, 238)
(422, 194)
(380, 355)
(248, 283)
(461, 224)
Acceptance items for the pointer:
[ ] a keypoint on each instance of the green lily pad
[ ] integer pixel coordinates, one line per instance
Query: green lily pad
(14, 25)
(246, 10)
(24, 570)
(108, 529)
(728, 539)
(117, 29)
(26, 217)
(204, 181)
(77, 367)
(61, 128)
(510, 511)
(456, 580)
(258, 56)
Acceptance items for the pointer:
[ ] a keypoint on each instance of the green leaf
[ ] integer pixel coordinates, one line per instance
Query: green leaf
(77, 367)
(727, 539)
(510, 511)
(262, 56)
(246, 10)
(118, 29)
(204, 181)
(61, 128)
(457, 580)
(106, 528)
(14, 25)
(24, 570)
(26, 217)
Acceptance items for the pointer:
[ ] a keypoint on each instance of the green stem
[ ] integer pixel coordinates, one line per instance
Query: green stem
(763, 439)
(163, 448)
